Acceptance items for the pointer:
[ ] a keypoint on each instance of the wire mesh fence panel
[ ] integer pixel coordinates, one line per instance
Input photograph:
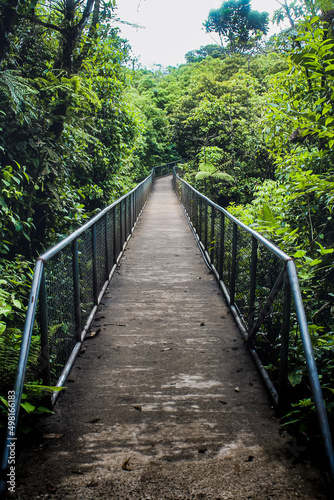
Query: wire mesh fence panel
(228, 245)
(209, 230)
(268, 339)
(61, 310)
(110, 240)
(101, 257)
(118, 229)
(128, 215)
(269, 297)
(86, 274)
(243, 274)
(216, 240)
(192, 206)
(268, 270)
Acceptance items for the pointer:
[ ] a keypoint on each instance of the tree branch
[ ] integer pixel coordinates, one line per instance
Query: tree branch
(36, 20)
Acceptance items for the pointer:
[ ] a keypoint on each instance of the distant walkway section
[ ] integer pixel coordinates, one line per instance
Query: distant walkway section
(164, 401)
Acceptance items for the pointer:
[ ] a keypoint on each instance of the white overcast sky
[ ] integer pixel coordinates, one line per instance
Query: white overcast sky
(171, 28)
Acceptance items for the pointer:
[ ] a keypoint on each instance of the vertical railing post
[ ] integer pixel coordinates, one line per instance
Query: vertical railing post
(234, 263)
(121, 232)
(107, 248)
(196, 211)
(94, 248)
(252, 286)
(222, 245)
(125, 218)
(200, 218)
(114, 234)
(284, 351)
(206, 225)
(44, 330)
(131, 212)
(76, 286)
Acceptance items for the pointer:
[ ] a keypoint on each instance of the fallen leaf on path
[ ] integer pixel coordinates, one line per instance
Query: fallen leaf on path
(53, 436)
(93, 334)
(125, 464)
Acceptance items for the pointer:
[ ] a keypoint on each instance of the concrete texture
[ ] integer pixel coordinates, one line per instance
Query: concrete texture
(164, 402)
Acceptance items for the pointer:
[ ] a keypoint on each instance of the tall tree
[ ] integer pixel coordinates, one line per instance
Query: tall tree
(237, 24)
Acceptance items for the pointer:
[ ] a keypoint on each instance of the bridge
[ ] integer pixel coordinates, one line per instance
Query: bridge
(150, 315)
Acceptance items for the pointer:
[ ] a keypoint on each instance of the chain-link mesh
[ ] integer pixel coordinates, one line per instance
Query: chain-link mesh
(61, 310)
(86, 278)
(267, 340)
(117, 229)
(243, 273)
(227, 255)
(110, 240)
(101, 255)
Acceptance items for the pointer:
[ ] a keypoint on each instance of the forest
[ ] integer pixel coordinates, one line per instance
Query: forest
(252, 118)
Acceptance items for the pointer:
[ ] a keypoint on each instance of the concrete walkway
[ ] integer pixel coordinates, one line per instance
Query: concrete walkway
(164, 402)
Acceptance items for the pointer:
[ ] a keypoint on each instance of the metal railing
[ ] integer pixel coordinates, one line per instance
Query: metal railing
(68, 284)
(258, 281)
(70, 279)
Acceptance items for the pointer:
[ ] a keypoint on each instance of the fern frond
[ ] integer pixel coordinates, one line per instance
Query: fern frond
(207, 167)
(200, 176)
(222, 176)
(15, 88)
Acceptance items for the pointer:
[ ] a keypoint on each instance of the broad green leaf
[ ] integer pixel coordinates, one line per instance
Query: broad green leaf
(299, 253)
(295, 377)
(29, 408)
(267, 214)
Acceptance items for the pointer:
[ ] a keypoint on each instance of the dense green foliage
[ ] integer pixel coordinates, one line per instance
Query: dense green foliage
(254, 124)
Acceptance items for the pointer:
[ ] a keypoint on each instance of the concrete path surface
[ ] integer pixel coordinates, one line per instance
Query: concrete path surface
(164, 402)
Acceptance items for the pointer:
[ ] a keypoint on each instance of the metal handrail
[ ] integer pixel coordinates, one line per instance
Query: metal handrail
(208, 222)
(117, 222)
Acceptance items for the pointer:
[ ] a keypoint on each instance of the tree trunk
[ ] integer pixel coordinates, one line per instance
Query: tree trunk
(71, 35)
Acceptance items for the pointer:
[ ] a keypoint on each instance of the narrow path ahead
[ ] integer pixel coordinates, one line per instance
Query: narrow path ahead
(164, 402)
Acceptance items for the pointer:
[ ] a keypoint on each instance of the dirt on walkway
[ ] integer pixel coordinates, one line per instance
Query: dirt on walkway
(164, 401)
